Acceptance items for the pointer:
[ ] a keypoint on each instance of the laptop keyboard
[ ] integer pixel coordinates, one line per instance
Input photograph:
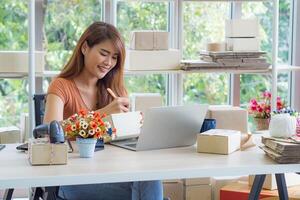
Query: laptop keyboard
(131, 145)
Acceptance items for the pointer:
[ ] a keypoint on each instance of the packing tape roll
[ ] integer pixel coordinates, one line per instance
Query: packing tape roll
(216, 46)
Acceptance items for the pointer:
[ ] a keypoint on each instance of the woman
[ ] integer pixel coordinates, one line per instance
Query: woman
(97, 63)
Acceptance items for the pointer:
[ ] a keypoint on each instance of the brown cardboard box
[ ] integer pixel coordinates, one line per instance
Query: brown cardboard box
(149, 40)
(17, 61)
(229, 117)
(198, 192)
(291, 179)
(9, 135)
(153, 60)
(197, 181)
(143, 101)
(219, 141)
(173, 189)
(44, 153)
(24, 127)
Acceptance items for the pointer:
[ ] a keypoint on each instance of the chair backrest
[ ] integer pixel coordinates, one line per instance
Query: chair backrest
(39, 107)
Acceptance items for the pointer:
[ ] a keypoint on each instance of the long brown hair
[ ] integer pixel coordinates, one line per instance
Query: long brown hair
(96, 33)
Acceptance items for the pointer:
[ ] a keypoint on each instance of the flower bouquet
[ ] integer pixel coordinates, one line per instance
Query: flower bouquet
(260, 109)
(86, 127)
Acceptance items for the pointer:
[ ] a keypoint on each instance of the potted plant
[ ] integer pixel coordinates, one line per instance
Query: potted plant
(260, 109)
(86, 127)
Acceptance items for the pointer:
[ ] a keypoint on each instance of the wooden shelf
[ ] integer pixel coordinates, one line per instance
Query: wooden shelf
(280, 68)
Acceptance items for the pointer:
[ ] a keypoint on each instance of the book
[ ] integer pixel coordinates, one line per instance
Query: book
(283, 148)
(280, 158)
(233, 54)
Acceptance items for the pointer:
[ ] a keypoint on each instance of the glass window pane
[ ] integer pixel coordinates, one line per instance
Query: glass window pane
(204, 22)
(13, 37)
(13, 25)
(155, 83)
(252, 85)
(139, 15)
(64, 22)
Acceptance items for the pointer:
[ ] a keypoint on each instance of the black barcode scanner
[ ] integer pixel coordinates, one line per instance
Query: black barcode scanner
(54, 130)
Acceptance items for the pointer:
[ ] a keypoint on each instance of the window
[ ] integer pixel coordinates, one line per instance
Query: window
(13, 37)
(64, 23)
(252, 85)
(204, 22)
(139, 15)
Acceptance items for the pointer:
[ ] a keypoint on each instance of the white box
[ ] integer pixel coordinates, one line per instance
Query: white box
(149, 40)
(153, 60)
(198, 192)
(126, 124)
(219, 141)
(229, 117)
(291, 179)
(17, 61)
(241, 28)
(143, 101)
(243, 44)
(10, 135)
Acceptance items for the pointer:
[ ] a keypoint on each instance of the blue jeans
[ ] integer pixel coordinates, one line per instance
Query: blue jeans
(143, 190)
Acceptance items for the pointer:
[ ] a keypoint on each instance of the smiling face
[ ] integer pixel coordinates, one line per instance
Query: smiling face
(99, 59)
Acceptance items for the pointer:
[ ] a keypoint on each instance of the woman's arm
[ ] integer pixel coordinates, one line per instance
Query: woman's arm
(54, 108)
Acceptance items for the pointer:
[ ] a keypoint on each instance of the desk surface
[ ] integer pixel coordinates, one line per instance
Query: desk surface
(119, 165)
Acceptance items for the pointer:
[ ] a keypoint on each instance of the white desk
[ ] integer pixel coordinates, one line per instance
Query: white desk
(119, 165)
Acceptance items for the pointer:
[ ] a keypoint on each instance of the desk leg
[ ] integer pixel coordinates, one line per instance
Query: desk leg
(50, 193)
(8, 194)
(257, 186)
(281, 186)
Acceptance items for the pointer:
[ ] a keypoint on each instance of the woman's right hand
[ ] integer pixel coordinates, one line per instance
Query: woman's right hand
(118, 105)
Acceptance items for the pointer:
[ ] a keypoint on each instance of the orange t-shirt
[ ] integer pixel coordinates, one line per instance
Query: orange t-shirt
(69, 94)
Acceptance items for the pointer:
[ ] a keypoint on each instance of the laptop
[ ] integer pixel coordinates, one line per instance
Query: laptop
(167, 127)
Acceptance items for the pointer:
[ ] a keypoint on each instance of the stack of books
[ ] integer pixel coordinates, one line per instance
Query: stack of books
(282, 150)
(240, 60)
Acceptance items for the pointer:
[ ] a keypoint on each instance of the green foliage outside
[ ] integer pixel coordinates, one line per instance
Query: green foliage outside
(209, 17)
(203, 21)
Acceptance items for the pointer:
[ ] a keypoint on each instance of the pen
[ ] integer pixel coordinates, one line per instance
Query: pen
(111, 93)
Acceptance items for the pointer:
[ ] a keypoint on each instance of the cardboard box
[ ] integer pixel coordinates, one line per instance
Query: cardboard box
(198, 192)
(126, 124)
(24, 127)
(143, 101)
(153, 60)
(196, 181)
(243, 44)
(44, 153)
(10, 135)
(291, 179)
(17, 61)
(173, 190)
(219, 141)
(241, 191)
(241, 28)
(229, 117)
(149, 40)
(219, 182)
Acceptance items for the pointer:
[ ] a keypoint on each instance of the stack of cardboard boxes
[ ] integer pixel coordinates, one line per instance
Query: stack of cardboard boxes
(188, 189)
(149, 50)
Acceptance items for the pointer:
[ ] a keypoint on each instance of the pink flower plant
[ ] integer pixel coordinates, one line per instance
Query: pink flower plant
(261, 107)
